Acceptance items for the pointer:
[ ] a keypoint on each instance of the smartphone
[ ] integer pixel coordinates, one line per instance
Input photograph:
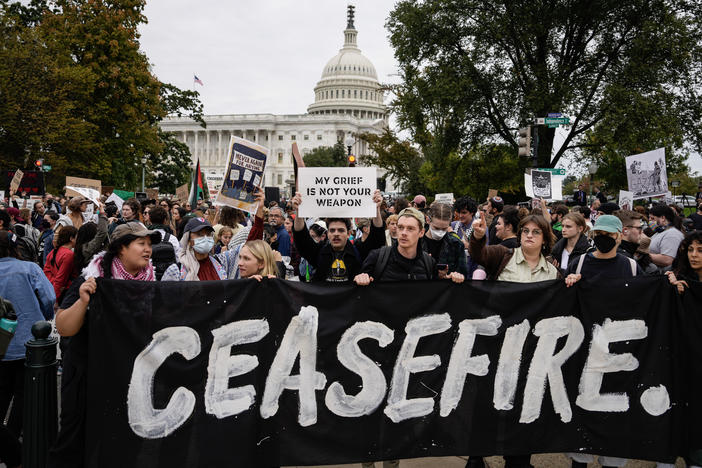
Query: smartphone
(477, 214)
(442, 266)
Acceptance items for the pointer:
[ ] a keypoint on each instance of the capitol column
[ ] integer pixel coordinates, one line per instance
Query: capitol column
(219, 148)
(208, 155)
(196, 153)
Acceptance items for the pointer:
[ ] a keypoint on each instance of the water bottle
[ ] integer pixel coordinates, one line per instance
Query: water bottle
(8, 325)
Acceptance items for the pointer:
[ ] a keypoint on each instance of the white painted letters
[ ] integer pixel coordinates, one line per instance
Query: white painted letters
(145, 420)
(508, 365)
(374, 385)
(221, 400)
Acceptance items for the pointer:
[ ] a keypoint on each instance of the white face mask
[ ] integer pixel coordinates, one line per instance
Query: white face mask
(203, 245)
(437, 234)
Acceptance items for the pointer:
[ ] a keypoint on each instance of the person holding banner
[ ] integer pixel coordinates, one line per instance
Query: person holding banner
(128, 257)
(687, 265)
(337, 260)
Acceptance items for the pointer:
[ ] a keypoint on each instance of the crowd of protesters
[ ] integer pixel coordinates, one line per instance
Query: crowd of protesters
(51, 255)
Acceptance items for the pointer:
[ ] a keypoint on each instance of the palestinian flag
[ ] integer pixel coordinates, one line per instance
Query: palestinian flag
(198, 187)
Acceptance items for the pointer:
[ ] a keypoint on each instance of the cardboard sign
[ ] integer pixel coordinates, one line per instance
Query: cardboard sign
(343, 192)
(492, 193)
(72, 182)
(446, 198)
(107, 190)
(541, 184)
(243, 173)
(556, 185)
(182, 192)
(626, 200)
(151, 193)
(89, 193)
(15, 182)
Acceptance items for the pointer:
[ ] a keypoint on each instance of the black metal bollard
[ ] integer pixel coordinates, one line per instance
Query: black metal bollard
(40, 397)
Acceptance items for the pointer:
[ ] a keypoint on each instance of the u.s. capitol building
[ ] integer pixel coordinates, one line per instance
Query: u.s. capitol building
(348, 100)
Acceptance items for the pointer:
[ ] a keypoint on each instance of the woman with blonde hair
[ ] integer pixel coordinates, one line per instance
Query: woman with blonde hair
(257, 260)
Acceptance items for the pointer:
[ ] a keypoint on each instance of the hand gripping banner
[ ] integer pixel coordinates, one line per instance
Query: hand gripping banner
(241, 373)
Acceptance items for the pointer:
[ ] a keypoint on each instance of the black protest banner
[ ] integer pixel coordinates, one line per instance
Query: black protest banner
(241, 373)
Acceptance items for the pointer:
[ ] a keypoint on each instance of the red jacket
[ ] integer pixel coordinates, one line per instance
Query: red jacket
(61, 274)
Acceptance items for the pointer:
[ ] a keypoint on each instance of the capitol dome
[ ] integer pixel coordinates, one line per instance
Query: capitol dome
(349, 83)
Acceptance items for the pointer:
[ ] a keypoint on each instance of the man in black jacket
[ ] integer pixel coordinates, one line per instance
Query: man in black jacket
(406, 260)
(337, 260)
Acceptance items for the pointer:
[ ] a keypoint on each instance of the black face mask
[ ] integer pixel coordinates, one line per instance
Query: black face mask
(604, 243)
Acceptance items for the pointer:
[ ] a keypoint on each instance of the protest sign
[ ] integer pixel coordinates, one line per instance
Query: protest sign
(302, 374)
(107, 190)
(114, 198)
(72, 182)
(182, 192)
(30, 183)
(556, 185)
(492, 193)
(297, 162)
(151, 194)
(214, 182)
(243, 173)
(15, 182)
(90, 193)
(626, 200)
(341, 192)
(444, 198)
(541, 184)
(646, 174)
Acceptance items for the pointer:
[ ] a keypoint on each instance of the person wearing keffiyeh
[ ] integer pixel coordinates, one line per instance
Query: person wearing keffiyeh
(128, 257)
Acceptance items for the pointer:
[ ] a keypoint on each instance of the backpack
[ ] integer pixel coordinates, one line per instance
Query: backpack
(26, 245)
(384, 256)
(162, 255)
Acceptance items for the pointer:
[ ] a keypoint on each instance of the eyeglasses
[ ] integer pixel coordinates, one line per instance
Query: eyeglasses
(640, 228)
(534, 232)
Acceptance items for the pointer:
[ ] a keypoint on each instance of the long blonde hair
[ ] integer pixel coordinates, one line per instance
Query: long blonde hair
(263, 253)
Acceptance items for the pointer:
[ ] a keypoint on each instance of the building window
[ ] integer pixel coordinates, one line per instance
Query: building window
(293, 137)
(319, 137)
(266, 137)
(366, 94)
(280, 158)
(280, 137)
(280, 179)
(355, 94)
(307, 137)
(343, 93)
(337, 94)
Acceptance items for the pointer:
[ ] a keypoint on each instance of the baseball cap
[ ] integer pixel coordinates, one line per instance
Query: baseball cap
(419, 199)
(413, 212)
(197, 225)
(321, 224)
(136, 229)
(608, 223)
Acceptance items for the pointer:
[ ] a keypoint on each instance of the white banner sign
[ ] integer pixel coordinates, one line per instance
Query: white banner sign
(340, 192)
(626, 200)
(116, 200)
(444, 198)
(556, 187)
(646, 174)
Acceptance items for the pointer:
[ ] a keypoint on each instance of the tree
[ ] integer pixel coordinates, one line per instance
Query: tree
(78, 92)
(326, 156)
(399, 158)
(473, 71)
(172, 166)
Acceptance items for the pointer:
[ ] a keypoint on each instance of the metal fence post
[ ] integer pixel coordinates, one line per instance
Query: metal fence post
(40, 397)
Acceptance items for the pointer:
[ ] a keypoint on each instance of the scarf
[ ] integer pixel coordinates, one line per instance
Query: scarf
(94, 269)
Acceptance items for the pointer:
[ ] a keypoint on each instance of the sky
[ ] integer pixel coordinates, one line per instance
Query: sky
(260, 56)
(263, 56)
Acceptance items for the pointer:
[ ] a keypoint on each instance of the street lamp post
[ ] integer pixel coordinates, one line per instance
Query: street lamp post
(592, 169)
(143, 171)
(349, 141)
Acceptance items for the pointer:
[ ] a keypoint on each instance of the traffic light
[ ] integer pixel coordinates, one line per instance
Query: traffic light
(524, 141)
(352, 160)
(39, 164)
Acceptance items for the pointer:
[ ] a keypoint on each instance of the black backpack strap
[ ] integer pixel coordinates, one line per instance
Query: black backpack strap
(166, 236)
(426, 260)
(382, 262)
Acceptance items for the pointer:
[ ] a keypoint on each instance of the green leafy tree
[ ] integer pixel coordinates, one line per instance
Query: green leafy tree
(473, 71)
(398, 157)
(326, 156)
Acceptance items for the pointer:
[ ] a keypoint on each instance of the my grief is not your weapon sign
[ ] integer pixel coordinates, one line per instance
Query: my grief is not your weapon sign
(337, 192)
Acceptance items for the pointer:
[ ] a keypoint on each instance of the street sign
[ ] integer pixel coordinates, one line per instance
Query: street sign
(47, 168)
(539, 121)
(553, 125)
(554, 114)
(557, 120)
(675, 183)
(554, 170)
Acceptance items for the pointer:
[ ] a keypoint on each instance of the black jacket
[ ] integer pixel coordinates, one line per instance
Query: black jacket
(321, 256)
(581, 247)
(628, 249)
(398, 268)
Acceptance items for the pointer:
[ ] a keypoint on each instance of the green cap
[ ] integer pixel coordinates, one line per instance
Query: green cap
(607, 223)
(413, 212)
